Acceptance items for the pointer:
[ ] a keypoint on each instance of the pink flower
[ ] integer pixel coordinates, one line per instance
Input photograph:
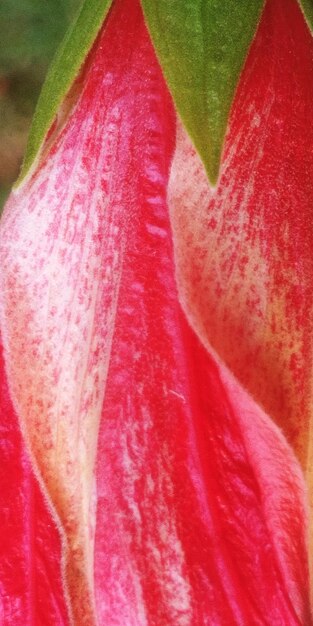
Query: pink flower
(149, 345)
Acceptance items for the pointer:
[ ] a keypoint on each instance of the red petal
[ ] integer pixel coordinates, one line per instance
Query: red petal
(244, 250)
(30, 575)
(201, 514)
(197, 489)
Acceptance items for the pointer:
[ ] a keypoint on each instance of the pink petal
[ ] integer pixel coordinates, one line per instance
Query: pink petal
(201, 513)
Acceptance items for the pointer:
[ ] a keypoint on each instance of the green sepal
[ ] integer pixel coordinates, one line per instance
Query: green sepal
(62, 73)
(307, 8)
(202, 46)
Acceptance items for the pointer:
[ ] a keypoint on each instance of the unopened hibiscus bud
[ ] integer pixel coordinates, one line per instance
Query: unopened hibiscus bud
(156, 324)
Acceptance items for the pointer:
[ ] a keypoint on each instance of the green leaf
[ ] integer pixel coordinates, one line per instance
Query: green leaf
(307, 8)
(202, 45)
(62, 73)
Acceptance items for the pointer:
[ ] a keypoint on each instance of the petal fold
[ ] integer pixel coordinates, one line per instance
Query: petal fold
(31, 590)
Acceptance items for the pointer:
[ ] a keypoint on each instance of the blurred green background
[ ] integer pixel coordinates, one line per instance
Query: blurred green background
(30, 31)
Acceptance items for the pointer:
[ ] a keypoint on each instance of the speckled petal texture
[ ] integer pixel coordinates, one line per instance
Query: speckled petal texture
(176, 499)
(249, 285)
